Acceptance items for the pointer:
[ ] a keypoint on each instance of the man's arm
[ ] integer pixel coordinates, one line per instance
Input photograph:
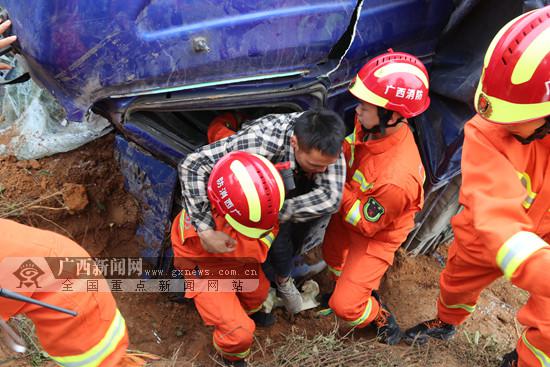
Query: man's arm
(323, 199)
(265, 136)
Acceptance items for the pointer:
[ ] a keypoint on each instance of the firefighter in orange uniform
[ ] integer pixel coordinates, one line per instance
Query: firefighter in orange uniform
(97, 336)
(504, 228)
(225, 125)
(383, 189)
(246, 193)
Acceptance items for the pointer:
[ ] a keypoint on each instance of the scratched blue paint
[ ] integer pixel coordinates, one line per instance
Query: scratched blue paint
(153, 144)
(84, 51)
(152, 183)
(404, 25)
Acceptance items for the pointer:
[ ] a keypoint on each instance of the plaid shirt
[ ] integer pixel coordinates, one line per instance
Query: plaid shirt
(268, 136)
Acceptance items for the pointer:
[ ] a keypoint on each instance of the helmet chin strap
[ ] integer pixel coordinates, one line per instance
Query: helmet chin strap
(540, 133)
(384, 116)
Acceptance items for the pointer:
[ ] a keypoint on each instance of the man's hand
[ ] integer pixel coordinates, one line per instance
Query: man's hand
(5, 42)
(216, 242)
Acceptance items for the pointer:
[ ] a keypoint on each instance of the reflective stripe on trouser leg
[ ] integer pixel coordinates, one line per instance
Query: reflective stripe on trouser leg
(231, 356)
(234, 340)
(352, 300)
(465, 307)
(540, 356)
(335, 245)
(461, 283)
(361, 319)
(233, 329)
(97, 354)
(335, 272)
(453, 313)
(254, 310)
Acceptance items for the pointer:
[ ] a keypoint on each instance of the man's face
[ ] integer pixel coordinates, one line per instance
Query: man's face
(367, 114)
(312, 161)
(524, 129)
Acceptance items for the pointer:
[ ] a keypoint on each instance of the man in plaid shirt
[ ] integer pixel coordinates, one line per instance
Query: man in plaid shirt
(311, 141)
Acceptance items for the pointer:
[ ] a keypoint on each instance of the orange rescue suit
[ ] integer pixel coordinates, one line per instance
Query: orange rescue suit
(224, 125)
(503, 230)
(383, 191)
(227, 311)
(96, 337)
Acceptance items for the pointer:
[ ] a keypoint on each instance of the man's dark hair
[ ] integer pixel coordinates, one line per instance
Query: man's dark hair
(322, 130)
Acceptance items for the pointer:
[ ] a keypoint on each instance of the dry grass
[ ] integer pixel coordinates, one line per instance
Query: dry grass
(478, 349)
(34, 354)
(36, 357)
(331, 350)
(10, 208)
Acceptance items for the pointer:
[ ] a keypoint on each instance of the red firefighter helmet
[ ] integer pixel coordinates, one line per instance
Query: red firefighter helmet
(396, 81)
(515, 82)
(248, 191)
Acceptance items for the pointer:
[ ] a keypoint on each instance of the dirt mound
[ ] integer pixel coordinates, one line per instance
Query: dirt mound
(74, 197)
(79, 194)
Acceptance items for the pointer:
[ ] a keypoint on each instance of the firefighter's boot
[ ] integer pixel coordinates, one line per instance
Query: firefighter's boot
(510, 359)
(263, 319)
(387, 329)
(239, 363)
(435, 328)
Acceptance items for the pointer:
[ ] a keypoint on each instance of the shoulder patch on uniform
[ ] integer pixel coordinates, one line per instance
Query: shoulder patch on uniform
(373, 210)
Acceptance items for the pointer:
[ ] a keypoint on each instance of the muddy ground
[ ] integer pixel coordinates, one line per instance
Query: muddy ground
(80, 194)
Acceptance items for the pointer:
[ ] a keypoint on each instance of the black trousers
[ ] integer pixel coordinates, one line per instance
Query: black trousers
(286, 245)
(291, 235)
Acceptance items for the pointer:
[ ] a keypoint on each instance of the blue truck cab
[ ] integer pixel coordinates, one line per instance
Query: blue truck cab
(161, 70)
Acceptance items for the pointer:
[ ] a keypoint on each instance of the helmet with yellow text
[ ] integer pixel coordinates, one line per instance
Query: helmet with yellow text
(395, 81)
(248, 191)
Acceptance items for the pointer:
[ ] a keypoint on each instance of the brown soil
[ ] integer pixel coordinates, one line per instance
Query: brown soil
(88, 200)
(80, 194)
